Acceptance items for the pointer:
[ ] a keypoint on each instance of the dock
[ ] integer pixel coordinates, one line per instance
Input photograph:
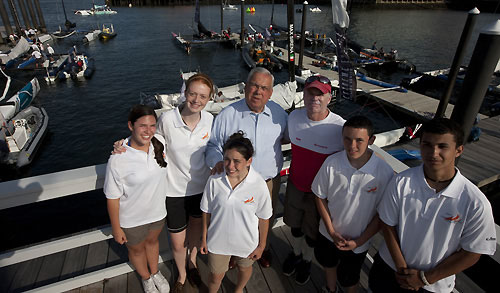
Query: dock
(410, 103)
(91, 261)
(480, 159)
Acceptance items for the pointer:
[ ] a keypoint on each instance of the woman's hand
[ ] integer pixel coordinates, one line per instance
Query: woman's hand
(218, 168)
(118, 147)
(257, 253)
(203, 246)
(119, 236)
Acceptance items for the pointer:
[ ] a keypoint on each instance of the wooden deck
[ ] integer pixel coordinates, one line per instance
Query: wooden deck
(410, 103)
(94, 258)
(480, 160)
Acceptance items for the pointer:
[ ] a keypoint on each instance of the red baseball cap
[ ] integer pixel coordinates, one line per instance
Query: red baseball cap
(320, 82)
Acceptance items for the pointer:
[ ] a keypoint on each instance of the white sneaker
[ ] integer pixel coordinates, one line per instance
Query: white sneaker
(149, 286)
(160, 282)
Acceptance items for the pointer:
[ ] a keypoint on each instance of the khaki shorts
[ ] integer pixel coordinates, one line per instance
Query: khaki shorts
(219, 264)
(300, 211)
(136, 235)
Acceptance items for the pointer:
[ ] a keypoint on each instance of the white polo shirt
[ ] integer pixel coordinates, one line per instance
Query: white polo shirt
(139, 182)
(235, 214)
(431, 226)
(187, 172)
(353, 194)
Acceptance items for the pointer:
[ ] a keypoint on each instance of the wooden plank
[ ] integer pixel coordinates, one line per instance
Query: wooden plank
(134, 282)
(117, 253)
(6, 276)
(97, 256)
(30, 252)
(257, 282)
(26, 274)
(51, 269)
(74, 263)
(276, 281)
(282, 247)
(96, 287)
(317, 273)
(116, 284)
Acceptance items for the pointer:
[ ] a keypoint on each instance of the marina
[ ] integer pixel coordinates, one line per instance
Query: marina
(87, 115)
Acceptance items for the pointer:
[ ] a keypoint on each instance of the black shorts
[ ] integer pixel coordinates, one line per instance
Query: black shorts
(179, 209)
(349, 263)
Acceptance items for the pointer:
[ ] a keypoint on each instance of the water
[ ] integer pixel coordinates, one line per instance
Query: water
(87, 117)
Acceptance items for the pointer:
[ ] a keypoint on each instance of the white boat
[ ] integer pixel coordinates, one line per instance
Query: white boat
(84, 12)
(96, 10)
(315, 9)
(21, 100)
(229, 7)
(285, 95)
(21, 136)
(93, 35)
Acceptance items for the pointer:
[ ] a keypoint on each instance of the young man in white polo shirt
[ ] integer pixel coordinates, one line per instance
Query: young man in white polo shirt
(436, 223)
(349, 186)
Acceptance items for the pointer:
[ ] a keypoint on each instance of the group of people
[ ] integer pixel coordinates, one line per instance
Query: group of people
(220, 178)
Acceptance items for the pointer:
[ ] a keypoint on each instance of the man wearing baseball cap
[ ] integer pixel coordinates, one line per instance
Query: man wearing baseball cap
(315, 133)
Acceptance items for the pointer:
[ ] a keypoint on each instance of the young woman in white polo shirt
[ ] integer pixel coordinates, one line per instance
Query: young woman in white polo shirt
(236, 209)
(135, 191)
(186, 130)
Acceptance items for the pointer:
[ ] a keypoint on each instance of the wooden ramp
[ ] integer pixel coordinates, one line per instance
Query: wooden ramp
(410, 103)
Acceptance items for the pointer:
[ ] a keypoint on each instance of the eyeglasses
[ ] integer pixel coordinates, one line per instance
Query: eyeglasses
(256, 86)
(319, 78)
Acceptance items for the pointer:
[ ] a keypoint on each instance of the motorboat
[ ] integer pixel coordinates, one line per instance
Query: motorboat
(107, 32)
(22, 135)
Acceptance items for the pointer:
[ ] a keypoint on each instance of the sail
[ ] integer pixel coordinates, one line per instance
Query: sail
(339, 13)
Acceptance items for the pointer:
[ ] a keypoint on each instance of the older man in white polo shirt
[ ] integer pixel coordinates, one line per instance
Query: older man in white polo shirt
(436, 223)
(264, 123)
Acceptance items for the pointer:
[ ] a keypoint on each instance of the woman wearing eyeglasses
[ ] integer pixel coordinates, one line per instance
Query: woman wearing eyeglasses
(186, 130)
(315, 133)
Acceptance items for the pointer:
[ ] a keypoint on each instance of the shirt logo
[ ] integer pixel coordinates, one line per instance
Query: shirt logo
(250, 200)
(491, 239)
(373, 189)
(453, 219)
(205, 136)
(298, 138)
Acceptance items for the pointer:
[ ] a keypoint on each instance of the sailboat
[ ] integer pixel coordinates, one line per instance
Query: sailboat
(203, 36)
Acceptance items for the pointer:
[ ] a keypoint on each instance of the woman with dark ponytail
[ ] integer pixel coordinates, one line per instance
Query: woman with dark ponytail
(135, 190)
(236, 209)
(187, 130)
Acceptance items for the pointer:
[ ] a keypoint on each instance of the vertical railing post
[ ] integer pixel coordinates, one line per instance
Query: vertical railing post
(479, 72)
(457, 61)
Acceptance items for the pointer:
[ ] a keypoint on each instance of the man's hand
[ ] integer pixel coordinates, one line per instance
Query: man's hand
(257, 253)
(118, 147)
(338, 240)
(218, 168)
(348, 245)
(409, 279)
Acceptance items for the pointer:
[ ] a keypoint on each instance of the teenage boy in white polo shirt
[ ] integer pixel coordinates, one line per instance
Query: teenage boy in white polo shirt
(349, 186)
(436, 223)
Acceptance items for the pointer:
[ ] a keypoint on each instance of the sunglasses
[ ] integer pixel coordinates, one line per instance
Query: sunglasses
(319, 78)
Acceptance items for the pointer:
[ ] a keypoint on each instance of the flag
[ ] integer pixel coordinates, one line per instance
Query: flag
(339, 13)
